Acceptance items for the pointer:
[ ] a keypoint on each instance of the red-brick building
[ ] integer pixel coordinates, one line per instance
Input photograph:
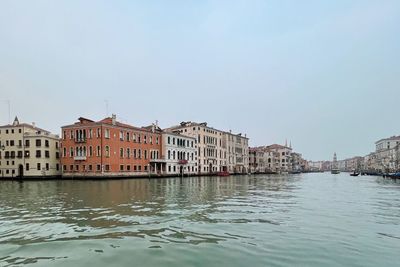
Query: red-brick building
(109, 148)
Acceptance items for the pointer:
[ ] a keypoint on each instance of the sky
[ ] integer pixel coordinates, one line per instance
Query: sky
(324, 75)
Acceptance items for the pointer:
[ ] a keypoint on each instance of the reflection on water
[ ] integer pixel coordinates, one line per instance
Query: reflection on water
(308, 220)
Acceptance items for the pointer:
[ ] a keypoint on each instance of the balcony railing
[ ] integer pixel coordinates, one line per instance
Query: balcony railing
(183, 162)
(80, 140)
(80, 158)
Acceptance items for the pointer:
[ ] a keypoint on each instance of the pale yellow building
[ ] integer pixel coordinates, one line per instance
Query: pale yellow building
(27, 151)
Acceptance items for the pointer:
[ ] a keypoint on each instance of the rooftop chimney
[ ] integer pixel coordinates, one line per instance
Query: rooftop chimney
(33, 124)
(114, 119)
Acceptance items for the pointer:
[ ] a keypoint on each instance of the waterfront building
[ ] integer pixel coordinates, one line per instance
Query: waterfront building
(211, 150)
(27, 151)
(217, 150)
(179, 154)
(237, 150)
(272, 158)
(110, 148)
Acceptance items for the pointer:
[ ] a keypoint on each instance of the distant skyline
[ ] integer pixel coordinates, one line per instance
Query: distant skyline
(324, 75)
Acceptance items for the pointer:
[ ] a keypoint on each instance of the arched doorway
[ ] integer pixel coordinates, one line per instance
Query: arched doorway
(20, 171)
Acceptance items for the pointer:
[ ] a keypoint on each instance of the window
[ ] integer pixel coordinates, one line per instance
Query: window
(128, 153)
(134, 168)
(46, 143)
(38, 167)
(169, 140)
(138, 138)
(128, 168)
(121, 135)
(90, 133)
(98, 167)
(90, 151)
(11, 142)
(121, 168)
(47, 167)
(47, 154)
(71, 152)
(157, 140)
(107, 151)
(127, 137)
(38, 142)
(38, 153)
(107, 133)
(98, 132)
(121, 152)
(27, 154)
(134, 138)
(98, 153)
(151, 140)
(169, 154)
(107, 168)
(27, 166)
(71, 167)
(173, 141)
(27, 143)
(145, 139)
(139, 154)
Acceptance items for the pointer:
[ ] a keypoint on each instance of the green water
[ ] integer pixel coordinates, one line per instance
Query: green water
(299, 220)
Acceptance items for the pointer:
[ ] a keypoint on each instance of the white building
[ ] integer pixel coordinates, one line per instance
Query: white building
(217, 151)
(28, 152)
(179, 153)
(211, 154)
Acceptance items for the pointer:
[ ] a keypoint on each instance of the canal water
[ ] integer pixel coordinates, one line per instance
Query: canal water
(294, 220)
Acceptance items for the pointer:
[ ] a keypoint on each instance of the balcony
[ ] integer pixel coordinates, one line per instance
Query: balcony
(80, 158)
(80, 140)
(183, 162)
(160, 160)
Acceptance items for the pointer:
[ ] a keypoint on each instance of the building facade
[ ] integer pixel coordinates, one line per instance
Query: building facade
(237, 152)
(179, 154)
(217, 150)
(27, 151)
(211, 150)
(272, 159)
(109, 148)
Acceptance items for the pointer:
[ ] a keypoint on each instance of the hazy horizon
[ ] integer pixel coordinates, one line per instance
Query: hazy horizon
(323, 75)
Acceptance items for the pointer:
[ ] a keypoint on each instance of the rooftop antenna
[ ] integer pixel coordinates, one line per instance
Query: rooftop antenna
(9, 111)
(106, 101)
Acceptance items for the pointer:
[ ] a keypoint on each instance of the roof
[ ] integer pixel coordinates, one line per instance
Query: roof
(186, 124)
(270, 147)
(26, 125)
(389, 139)
(106, 121)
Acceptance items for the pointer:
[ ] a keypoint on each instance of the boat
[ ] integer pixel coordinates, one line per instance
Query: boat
(334, 168)
(223, 173)
(354, 173)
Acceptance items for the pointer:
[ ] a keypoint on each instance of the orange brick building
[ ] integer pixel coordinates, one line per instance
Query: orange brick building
(109, 148)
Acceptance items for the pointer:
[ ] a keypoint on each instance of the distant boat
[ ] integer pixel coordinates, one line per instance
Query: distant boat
(354, 174)
(334, 168)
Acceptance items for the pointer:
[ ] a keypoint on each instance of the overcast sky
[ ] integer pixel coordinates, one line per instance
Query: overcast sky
(323, 74)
